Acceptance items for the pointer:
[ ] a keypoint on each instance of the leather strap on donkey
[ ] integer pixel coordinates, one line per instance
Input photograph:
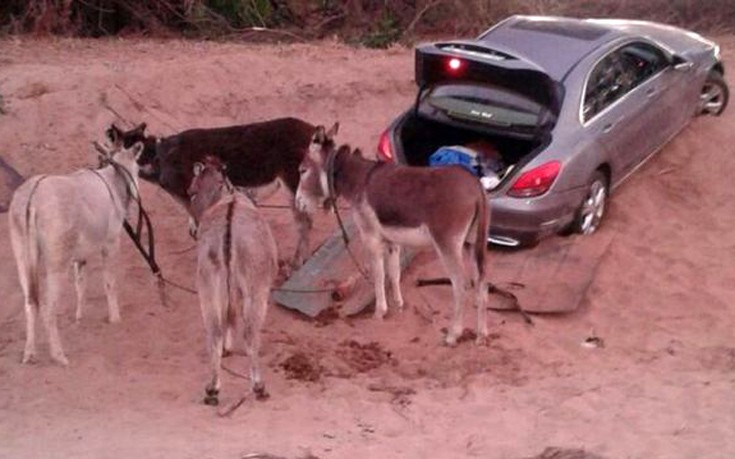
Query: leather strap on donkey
(332, 198)
(133, 192)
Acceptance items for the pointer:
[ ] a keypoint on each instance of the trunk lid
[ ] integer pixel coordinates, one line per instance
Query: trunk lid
(475, 62)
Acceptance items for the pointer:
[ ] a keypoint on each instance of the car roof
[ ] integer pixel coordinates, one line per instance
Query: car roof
(555, 44)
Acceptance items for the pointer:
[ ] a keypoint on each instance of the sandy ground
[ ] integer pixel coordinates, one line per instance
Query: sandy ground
(663, 301)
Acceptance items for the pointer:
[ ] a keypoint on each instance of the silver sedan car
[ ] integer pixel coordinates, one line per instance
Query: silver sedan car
(555, 112)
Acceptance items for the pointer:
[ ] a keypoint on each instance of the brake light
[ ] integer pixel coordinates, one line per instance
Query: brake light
(535, 182)
(454, 64)
(385, 151)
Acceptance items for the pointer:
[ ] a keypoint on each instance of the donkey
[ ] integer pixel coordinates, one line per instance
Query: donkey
(237, 265)
(397, 205)
(255, 154)
(62, 220)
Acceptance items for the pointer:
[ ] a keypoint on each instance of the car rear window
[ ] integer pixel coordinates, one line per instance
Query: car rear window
(571, 29)
(482, 104)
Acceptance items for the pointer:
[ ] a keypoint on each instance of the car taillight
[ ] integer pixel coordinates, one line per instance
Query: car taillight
(535, 182)
(454, 64)
(385, 151)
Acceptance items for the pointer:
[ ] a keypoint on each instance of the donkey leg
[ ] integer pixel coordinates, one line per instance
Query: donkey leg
(480, 298)
(452, 259)
(108, 254)
(377, 258)
(80, 283)
(232, 327)
(255, 316)
(481, 295)
(212, 305)
(393, 267)
(304, 224)
(48, 315)
(31, 307)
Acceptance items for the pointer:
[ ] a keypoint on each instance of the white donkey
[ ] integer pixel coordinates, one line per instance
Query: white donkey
(62, 220)
(237, 265)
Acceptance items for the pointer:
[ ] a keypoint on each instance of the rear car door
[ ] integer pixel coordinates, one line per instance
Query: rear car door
(654, 81)
(615, 115)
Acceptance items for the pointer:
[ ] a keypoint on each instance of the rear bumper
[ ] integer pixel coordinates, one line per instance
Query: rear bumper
(516, 221)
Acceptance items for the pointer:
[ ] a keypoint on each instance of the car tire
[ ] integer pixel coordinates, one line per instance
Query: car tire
(714, 96)
(592, 209)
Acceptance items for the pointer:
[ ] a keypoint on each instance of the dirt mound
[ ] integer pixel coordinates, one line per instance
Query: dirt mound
(363, 357)
(302, 367)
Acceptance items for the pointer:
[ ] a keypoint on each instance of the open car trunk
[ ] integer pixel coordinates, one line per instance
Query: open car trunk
(498, 107)
(420, 137)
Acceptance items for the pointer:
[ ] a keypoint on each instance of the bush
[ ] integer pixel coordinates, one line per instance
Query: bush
(375, 23)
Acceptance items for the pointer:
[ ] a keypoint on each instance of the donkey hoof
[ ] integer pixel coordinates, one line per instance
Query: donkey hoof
(212, 397)
(482, 340)
(260, 392)
(29, 359)
(226, 353)
(450, 341)
(60, 359)
(380, 313)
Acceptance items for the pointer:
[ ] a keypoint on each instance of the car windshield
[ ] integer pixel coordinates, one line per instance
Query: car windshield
(482, 104)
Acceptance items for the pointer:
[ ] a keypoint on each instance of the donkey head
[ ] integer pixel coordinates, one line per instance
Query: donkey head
(208, 185)
(147, 160)
(121, 157)
(314, 180)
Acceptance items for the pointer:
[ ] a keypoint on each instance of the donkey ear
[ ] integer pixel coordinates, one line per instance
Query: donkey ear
(137, 150)
(319, 135)
(198, 168)
(113, 133)
(357, 152)
(141, 128)
(333, 130)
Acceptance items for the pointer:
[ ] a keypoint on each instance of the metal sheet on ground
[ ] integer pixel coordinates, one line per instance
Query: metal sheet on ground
(332, 270)
(10, 179)
(552, 277)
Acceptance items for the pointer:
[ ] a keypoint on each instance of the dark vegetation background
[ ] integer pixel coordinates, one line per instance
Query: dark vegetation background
(373, 23)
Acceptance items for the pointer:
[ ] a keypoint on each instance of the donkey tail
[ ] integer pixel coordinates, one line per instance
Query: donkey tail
(24, 238)
(482, 218)
(228, 252)
(32, 256)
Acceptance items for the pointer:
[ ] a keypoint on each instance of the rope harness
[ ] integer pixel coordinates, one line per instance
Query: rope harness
(132, 193)
(135, 235)
(332, 199)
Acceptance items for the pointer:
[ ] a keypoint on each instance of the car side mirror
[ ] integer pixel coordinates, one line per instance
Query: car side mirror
(681, 64)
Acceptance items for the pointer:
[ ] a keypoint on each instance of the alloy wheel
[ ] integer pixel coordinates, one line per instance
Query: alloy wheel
(593, 208)
(711, 99)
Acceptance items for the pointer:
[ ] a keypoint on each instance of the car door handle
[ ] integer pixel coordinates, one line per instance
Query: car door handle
(650, 92)
(609, 126)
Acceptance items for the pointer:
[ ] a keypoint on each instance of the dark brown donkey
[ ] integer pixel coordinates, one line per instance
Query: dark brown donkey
(255, 154)
(397, 205)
